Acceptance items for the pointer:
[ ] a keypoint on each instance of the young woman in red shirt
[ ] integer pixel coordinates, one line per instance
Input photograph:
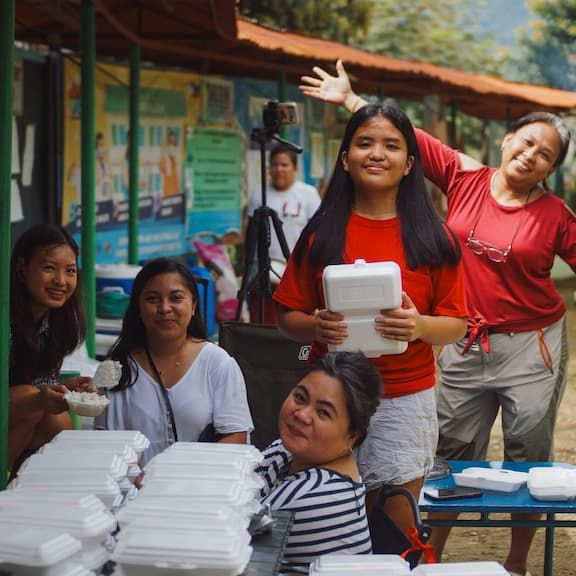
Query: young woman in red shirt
(377, 208)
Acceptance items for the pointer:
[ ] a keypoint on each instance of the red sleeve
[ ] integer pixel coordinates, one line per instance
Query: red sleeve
(298, 289)
(566, 243)
(439, 162)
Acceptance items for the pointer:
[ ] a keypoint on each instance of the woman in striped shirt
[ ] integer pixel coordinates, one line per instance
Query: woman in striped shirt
(310, 470)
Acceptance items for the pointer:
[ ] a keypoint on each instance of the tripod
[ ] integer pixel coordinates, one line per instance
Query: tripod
(258, 234)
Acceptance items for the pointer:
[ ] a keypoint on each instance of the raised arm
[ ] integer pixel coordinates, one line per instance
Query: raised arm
(334, 89)
(338, 90)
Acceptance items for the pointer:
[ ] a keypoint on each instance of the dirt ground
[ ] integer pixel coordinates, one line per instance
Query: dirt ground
(492, 543)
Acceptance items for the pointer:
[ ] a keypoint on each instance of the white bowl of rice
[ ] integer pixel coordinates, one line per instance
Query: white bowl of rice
(86, 403)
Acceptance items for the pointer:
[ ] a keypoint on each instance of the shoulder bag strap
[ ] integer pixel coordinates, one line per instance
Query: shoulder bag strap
(165, 395)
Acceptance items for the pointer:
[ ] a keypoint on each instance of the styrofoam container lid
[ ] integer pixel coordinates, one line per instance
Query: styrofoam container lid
(193, 550)
(134, 438)
(362, 286)
(27, 495)
(184, 471)
(459, 568)
(201, 460)
(78, 461)
(117, 270)
(249, 452)
(491, 479)
(230, 523)
(365, 564)
(209, 490)
(174, 508)
(73, 482)
(121, 449)
(35, 545)
(552, 484)
(86, 525)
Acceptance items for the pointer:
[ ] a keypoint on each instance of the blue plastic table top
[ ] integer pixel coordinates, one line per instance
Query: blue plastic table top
(493, 501)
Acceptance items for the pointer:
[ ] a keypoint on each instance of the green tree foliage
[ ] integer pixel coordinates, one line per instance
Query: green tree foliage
(443, 32)
(342, 20)
(549, 55)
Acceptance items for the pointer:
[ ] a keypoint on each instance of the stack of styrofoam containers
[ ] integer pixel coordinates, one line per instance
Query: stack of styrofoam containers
(461, 569)
(359, 292)
(39, 551)
(497, 479)
(90, 527)
(359, 565)
(192, 512)
(71, 485)
(552, 484)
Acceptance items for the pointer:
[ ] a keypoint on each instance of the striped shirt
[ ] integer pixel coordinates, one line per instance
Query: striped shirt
(329, 510)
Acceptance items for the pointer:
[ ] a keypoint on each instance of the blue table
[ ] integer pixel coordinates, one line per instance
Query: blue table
(493, 502)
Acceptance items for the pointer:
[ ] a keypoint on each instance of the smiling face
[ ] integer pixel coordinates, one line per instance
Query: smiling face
(50, 278)
(282, 171)
(166, 307)
(314, 422)
(377, 157)
(529, 154)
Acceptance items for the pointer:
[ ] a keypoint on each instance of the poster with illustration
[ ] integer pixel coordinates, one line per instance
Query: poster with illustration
(173, 160)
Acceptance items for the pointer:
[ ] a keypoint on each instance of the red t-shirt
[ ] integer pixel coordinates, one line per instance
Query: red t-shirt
(434, 291)
(519, 294)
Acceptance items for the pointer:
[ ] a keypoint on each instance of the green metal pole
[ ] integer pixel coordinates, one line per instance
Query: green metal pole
(453, 134)
(88, 47)
(282, 95)
(7, 23)
(134, 153)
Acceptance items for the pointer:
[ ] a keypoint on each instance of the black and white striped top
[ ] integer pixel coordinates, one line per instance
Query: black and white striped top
(329, 510)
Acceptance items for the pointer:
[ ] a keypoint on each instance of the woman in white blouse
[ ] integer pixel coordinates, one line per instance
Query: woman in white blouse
(175, 385)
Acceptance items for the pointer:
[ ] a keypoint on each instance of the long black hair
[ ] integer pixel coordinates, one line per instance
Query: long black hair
(67, 324)
(133, 335)
(426, 240)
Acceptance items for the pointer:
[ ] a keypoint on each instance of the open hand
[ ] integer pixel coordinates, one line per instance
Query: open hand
(403, 324)
(329, 328)
(335, 89)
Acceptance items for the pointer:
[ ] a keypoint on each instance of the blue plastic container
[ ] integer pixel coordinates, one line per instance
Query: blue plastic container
(207, 292)
(116, 275)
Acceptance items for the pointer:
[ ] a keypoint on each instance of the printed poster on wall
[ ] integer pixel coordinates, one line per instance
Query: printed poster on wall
(214, 163)
(175, 156)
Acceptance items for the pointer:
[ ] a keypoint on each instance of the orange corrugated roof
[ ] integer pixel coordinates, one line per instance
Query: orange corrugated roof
(469, 89)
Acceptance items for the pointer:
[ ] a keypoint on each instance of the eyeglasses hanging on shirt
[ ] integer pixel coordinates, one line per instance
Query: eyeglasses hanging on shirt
(493, 253)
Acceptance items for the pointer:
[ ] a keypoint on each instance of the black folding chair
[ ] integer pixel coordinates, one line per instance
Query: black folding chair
(272, 364)
(387, 538)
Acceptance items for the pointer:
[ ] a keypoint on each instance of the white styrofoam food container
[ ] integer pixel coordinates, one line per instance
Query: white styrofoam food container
(359, 292)
(232, 494)
(73, 482)
(134, 438)
(29, 496)
(183, 552)
(367, 565)
(77, 461)
(247, 452)
(35, 547)
(122, 449)
(461, 569)
(172, 508)
(552, 484)
(491, 479)
(90, 527)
